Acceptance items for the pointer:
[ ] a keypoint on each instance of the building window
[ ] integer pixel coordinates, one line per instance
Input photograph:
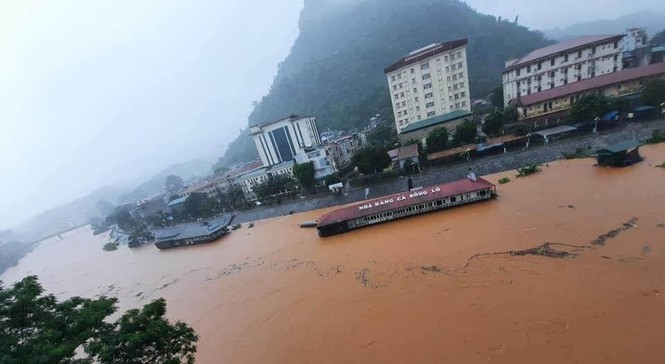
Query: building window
(454, 77)
(463, 94)
(450, 88)
(419, 117)
(616, 44)
(552, 62)
(518, 72)
(540, 65)
(400, 85)
(461, 85)
(426, 76)
(459, 54)
(394, 87)
(593, 51)
(528, 69)
(392, 78)
(424, 66)
(461, 74)
(459, 65)
(430, 113)
(428, 95)
(427, 86)
(456, 96)
(455, 87)
(415, 90)
(448, 78)
(429, 104)
(445, 58)
(401, 94)
(565, 58)
(403, 103)
(457, 105)
(396, 96)
(406, 112)
(463, 103)
(447, 68)
(415, 99)
(413, 80)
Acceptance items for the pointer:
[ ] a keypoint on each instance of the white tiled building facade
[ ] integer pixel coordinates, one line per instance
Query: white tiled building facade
(561, 64)
(430, 81)
(280, 141)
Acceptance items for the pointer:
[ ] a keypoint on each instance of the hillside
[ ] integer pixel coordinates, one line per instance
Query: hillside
(652, 21)
(335, 68)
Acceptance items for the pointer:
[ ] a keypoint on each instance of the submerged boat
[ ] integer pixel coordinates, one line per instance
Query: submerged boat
(399, 205)
(193, 233)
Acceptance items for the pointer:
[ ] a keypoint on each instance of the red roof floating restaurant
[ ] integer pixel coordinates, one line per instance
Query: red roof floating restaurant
(414, 202)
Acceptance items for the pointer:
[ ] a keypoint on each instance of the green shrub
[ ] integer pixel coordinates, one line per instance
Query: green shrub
(504, 180)
(110, 247)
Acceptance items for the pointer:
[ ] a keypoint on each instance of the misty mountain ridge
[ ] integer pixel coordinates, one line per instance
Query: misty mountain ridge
(335, 68)
(81, 210)
(651, 20)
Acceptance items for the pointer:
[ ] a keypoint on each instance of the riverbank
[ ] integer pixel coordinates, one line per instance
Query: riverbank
(448, 173)
(472, 284)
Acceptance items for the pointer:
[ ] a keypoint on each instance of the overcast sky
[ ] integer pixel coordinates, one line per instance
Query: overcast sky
(93, 92)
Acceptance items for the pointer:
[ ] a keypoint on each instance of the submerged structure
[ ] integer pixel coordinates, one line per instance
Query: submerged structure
(413, 202)
(192, 233)
(620, 154)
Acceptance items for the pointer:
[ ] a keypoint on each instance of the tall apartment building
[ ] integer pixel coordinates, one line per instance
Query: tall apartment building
(560, 64)
(430, 81)
(280, 141)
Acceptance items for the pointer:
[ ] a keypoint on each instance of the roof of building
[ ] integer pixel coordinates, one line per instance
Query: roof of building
(289, 117)
(177, 201)
(399, 200)
(193, 229)
(434, 120)
(425, 52)
(247, 167)
(593, 83)
(471, 147)
(393, 154)
(562, 47)
(555, 130)
(407, 152)
(658, 48)
(620, 147)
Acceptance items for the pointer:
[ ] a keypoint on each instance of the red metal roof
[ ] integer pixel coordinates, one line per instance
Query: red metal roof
(593, 83)
(426, 53)
(398, 200)
(563, 47)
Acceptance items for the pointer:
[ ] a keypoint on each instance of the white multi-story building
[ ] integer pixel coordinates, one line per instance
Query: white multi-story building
(280, 141)
(560, 64)
(429, 81)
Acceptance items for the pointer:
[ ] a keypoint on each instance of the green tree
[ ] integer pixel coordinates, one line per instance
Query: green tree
(275, 185)
(437, 139)
(145, 336)
(124, 220)
(497, 97)
(198, 205)
(305, 172)
(588, 107)
(371, 159)
(510, 114)
(383, 135)
(653, 93)
(36, 328)
(465, 132)
(494, 123)
(233, 198)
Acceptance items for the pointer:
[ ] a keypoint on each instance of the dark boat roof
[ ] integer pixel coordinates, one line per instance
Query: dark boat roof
(398, 200)
(192, 230)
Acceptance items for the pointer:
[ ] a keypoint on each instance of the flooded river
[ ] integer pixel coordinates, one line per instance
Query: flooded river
(440, 287)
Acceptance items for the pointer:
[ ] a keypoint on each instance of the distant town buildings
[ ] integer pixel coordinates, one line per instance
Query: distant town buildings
(428, 82)
(561, 64)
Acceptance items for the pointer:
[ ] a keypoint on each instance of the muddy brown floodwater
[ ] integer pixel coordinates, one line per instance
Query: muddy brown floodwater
(426, 289)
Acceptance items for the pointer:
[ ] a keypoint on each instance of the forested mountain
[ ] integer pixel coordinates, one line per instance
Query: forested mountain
(653, 21)
(335, 68)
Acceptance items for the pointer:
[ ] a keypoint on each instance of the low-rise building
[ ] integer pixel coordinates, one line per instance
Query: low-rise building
(419, 131)
(551, 107)
(562, 64)
(251, 179)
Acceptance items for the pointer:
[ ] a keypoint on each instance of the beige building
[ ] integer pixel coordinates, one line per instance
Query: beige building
(430, 81)
(561, 64)
(551, 107)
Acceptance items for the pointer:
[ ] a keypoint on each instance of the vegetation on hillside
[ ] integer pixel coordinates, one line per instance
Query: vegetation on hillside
(335, 68)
